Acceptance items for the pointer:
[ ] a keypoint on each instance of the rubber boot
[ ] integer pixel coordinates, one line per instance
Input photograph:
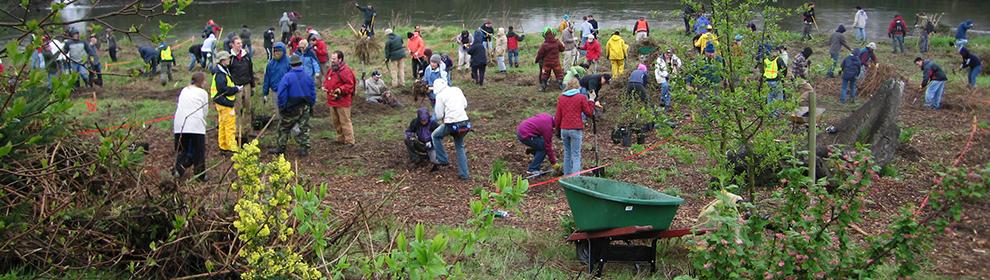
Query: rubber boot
(543, 85)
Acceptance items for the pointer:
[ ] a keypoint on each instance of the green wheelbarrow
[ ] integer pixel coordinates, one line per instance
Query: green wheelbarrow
(613, 216)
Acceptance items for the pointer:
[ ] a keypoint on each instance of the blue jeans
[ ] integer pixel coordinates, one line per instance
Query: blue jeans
(898, 42)
(572, 149)
(933, 95)
(192, 62)
(665, 95)
(860, 33)
(960, 43)
(514, 57)
(539, 151)
(438, 134)
(850, 87)
(973, 73)
(835, 61)
(81, 69)
(776, 92)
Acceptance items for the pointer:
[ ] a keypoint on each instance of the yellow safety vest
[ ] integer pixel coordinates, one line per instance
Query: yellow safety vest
(770, 68)
(166, 54)
(213, 87)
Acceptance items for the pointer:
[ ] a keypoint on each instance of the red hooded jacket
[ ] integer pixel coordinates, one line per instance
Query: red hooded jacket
(342, 79)
(549, 52)
(320, 47)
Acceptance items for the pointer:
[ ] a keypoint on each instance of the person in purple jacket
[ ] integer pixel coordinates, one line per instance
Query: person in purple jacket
(419, 140)
(537, 133)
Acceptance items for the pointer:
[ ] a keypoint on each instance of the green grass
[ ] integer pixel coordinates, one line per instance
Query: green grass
(117, 111)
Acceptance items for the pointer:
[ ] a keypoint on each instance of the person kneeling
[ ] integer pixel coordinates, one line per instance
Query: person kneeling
(419, 139)
(537, 134)
(375, 91)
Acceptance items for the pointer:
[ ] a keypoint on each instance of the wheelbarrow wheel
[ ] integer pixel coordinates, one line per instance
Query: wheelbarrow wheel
(583, 252)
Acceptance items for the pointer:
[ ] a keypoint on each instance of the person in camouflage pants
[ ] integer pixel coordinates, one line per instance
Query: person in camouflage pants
(296, 96)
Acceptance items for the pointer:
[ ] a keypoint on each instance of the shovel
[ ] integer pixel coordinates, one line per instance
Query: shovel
(600, 172)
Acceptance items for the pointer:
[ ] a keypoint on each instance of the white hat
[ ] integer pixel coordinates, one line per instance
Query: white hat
(589, 36)
(388, 31)
(872, 45)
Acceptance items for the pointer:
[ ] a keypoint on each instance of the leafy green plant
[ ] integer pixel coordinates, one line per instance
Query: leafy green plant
(906, 134)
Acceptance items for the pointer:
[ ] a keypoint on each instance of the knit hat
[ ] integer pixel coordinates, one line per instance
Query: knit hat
(295, 60)
(709, 48)
(223, 55)
(872, 45)
(376, 74)
(641, 67)
(436, 58)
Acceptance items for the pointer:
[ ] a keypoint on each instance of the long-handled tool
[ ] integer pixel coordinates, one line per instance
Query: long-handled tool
(600, 171)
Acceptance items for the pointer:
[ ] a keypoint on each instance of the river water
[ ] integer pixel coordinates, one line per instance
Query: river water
(530, 15)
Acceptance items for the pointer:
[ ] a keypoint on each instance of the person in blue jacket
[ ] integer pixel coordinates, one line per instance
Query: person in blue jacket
(296, 97)
(850, 72)
(277, 67)
(310, 63)
(961, 38)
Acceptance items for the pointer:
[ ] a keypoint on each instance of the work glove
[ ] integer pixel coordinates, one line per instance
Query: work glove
(264, 99)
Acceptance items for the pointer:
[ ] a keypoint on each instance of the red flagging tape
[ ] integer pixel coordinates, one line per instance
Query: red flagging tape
(652, 147)
(147, 122)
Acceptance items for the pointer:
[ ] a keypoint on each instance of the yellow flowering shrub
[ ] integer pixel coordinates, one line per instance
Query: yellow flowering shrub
(263, 218)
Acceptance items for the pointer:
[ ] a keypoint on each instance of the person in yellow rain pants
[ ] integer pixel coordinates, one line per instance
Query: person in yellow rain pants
(616, 51)
(223, 91)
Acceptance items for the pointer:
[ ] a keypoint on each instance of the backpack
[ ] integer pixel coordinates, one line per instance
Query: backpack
(899, 27)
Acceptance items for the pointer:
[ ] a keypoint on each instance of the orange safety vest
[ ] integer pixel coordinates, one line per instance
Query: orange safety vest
(641, 25)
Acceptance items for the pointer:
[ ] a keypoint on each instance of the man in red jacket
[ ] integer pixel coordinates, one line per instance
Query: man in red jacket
(549, 59)
(339, 86)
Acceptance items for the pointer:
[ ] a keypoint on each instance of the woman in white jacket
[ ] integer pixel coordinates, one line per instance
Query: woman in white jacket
(666, 64)
(189, 126)
(859, 24)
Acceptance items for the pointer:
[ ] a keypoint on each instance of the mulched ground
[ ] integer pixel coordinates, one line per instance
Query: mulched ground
(353, 173)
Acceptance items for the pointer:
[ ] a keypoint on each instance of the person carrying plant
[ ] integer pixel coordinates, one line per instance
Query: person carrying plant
(569, 126)
(896, 31)
(189, 128)
(934, 79)
(642, 29)
(275, 70)
(451, 110)
(973, 62)
(851, 66)
(668, 63)
(223, 91)
(616, 51)
(549, 58)
(836, 43)
(464, 41)
(376, 92)
(339, 86)
(419, 137)
(296, 97)
(395, 52)
(537, 133)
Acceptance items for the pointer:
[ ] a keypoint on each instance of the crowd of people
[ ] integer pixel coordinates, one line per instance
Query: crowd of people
(299, 64)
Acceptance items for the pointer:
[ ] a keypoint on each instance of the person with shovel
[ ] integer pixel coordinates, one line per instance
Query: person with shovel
(296, 97)
(537, 133)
